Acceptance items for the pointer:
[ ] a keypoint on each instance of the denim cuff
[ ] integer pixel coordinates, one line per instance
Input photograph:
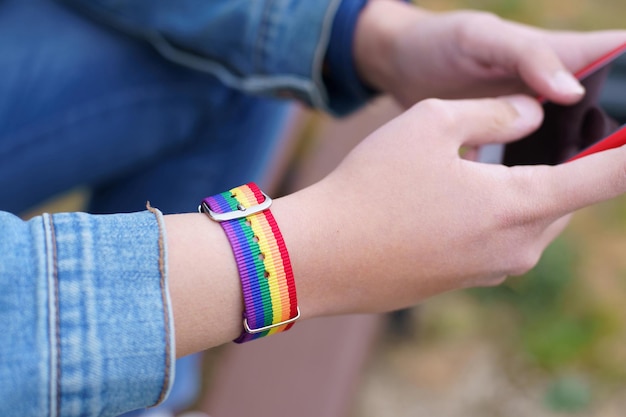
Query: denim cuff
(116, 347)
(346, 90)
(90, 324)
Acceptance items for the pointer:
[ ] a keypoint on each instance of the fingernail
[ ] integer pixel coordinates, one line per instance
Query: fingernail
(528, 110)
(566, 83)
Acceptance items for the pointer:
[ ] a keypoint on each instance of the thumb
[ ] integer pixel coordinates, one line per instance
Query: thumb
(586, 181)
(525, 51)
(546, 74)
(495, 120)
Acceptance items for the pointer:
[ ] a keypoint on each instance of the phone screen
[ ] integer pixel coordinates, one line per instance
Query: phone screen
(567, 130)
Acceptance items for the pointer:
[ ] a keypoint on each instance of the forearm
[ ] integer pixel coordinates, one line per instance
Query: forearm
(204, 281)
(338, 254)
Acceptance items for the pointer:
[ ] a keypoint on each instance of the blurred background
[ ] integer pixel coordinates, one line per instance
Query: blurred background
(552, 343)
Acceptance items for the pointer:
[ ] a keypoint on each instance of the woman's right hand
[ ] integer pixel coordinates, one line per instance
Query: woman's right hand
(405, 217)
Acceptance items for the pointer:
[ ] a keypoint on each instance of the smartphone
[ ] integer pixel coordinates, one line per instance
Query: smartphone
(596, 123)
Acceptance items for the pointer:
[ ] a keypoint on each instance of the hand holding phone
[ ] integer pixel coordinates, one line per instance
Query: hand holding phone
(596, 123)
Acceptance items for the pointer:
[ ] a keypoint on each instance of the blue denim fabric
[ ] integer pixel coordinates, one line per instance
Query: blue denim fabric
(123, 122)
(345, 87)
(274, 47)
(86, 324)
(82, 104)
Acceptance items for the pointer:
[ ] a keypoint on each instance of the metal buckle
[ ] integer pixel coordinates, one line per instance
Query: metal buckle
(236, 214)
(271, 326)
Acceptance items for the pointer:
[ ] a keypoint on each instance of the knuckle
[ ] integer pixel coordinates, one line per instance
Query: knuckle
(501, 121)
(432, 106)
(436, 110)
(486, 17)
(471, 24)
(493, 281)
(530, 45)
(525, 261)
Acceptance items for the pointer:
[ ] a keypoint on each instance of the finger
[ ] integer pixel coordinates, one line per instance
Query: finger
(560, 53)
(546, 74)
(586, 181)
(525, 52)
(501, 120)
(577, 49)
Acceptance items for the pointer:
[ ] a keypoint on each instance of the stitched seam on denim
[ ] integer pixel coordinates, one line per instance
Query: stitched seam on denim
(58, 316)
(166, 315)
(51, 240)
(249, 83)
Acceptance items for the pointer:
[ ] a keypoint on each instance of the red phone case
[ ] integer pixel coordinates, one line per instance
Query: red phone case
(615, 140)
(618, 138)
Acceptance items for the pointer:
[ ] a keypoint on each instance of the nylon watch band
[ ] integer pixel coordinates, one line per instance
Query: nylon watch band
(269, 291)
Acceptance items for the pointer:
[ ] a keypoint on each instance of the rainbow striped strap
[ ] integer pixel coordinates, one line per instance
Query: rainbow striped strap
(269, 290)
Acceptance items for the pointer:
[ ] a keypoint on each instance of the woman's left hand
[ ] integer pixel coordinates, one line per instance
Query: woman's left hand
(414, 54)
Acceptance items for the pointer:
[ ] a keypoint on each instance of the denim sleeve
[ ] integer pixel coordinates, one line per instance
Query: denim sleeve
(274, 47)
(84, 309)
(346, 90)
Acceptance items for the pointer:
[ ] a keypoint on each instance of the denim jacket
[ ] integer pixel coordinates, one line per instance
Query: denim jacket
(272, 47)
(84, 308)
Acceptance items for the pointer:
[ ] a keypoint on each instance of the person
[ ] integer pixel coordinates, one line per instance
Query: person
(86, 105)
(144, 271)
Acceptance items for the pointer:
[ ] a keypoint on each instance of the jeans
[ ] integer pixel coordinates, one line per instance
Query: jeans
(82, 105)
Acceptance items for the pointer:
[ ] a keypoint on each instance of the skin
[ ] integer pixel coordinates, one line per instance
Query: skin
(404, 217)
(469, 54)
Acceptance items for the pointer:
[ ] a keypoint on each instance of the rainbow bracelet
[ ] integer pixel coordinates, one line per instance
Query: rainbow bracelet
(269, 290)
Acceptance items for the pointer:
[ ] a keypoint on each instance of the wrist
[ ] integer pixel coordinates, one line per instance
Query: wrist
(331, 250)
(302, 226)
(203, 282)
(380, 26)
(205, 287)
